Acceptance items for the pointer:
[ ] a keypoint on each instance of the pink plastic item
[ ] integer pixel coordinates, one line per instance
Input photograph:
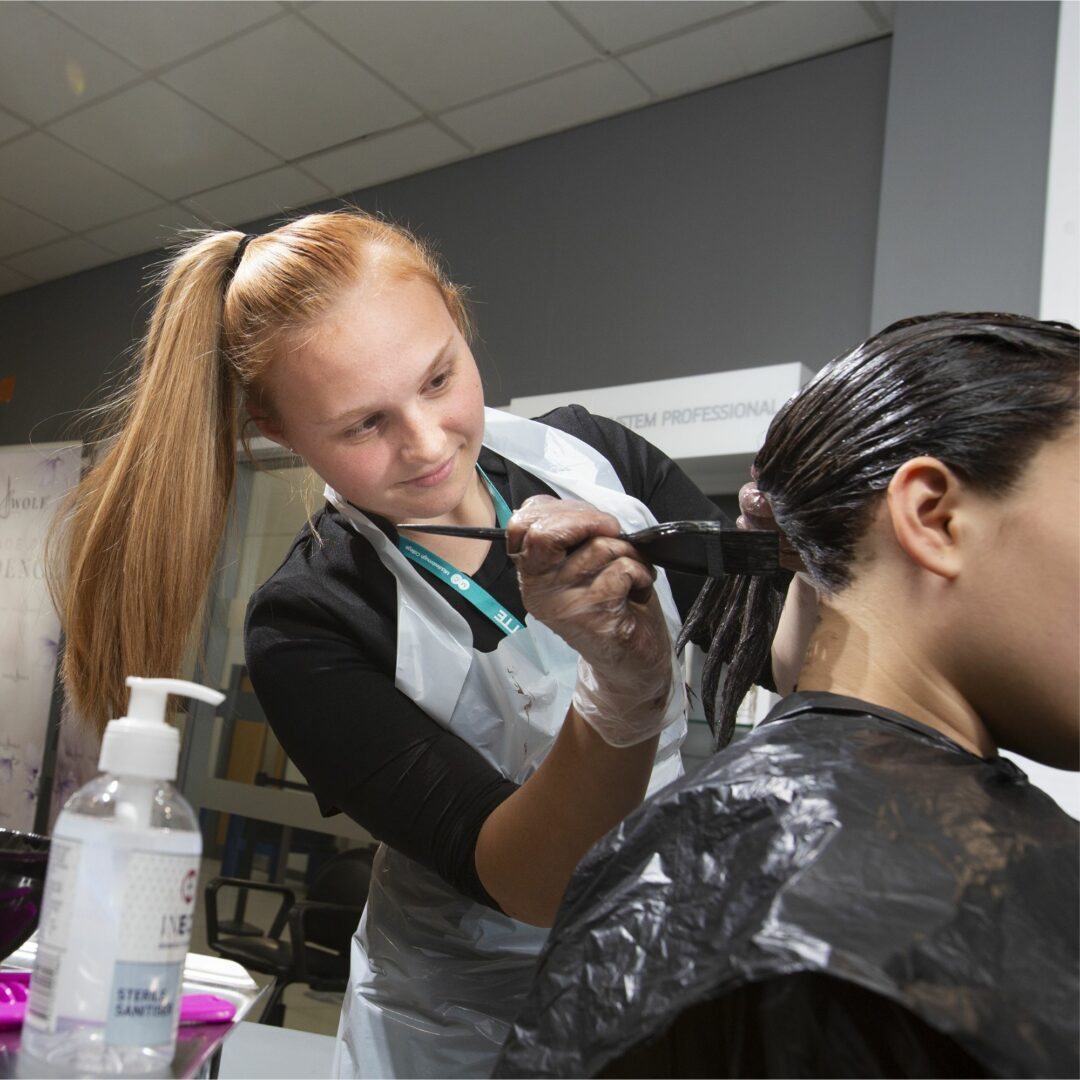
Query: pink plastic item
(194, 1008)
(14, 988)
(205, 1009)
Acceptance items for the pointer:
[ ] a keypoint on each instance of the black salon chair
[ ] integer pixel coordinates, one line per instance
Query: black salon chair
(320, 929)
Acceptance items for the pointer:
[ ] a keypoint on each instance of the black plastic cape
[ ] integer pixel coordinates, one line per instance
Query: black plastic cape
(842, 892)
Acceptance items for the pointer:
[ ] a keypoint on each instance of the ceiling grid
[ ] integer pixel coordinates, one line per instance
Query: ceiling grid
(123, 122)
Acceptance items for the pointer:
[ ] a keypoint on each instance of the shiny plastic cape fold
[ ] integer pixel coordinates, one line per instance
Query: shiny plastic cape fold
(842, 892)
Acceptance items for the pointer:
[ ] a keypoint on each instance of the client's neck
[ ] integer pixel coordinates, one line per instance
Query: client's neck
(864, 656)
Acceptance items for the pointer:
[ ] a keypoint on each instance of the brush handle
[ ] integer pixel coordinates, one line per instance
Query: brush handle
(471, 532)
(693, 547)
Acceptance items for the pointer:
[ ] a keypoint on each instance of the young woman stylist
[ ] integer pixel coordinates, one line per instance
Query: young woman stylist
(404, 678)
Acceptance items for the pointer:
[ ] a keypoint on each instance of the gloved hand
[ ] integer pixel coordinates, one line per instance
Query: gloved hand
(756, 513)
(596, 593)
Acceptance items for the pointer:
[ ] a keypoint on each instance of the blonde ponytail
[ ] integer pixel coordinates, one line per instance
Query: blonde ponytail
(133, 549)
(131, 556)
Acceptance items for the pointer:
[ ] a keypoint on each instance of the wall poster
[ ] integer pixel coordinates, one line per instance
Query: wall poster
(32, 481)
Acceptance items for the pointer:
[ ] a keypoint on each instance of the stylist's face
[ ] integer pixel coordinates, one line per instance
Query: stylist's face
(383, 400)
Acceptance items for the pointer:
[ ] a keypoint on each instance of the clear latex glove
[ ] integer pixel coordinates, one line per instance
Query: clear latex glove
(755, 512)
(596, 593)
(619, 716)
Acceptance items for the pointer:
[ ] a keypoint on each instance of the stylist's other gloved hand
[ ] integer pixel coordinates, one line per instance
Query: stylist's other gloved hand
(756, 513)
(595, 592)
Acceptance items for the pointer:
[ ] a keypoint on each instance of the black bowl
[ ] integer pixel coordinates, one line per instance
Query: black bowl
(23, 858)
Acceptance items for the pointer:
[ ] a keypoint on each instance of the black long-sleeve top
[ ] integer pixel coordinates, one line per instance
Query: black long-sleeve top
(321, 643)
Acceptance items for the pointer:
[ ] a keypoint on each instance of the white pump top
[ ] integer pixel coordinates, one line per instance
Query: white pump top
(141, 743)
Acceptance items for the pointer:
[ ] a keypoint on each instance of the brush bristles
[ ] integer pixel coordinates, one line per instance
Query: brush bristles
(742, 551)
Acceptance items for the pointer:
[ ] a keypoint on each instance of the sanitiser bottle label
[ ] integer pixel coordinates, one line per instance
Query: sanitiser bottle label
(54, 929)
(159, 907)
(140, 927)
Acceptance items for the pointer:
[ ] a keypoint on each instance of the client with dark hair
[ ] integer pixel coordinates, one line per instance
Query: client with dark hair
(862, 885)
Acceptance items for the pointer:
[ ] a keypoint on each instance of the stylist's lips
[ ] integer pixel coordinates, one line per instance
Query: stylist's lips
(433, 479)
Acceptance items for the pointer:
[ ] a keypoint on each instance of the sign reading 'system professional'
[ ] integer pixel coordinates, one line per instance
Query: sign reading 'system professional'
(698, 416)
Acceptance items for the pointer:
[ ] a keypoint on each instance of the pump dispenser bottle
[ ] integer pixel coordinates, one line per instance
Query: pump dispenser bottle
(120, 895)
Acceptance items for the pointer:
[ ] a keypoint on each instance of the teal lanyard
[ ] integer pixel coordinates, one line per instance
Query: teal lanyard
(479, 597)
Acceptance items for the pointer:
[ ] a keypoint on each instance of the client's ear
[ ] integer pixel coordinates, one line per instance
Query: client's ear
(923, 500)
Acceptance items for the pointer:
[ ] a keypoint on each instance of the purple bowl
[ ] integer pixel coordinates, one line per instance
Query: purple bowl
(23, 859)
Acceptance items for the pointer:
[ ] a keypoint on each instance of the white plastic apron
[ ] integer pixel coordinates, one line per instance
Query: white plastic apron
(436, 979)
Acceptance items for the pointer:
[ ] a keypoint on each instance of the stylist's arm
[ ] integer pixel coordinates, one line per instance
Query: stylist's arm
(592, 590)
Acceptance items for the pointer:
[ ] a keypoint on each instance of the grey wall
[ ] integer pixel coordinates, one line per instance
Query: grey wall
(728, 228)
(963, 190)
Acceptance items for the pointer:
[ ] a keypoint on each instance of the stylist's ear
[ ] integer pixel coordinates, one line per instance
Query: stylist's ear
(267, 425)
(924, 499)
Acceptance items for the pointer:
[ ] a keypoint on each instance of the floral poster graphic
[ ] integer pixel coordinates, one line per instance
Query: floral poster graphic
(32, 481)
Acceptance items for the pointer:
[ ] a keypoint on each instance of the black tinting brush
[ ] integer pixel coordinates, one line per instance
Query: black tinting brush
(692, 547)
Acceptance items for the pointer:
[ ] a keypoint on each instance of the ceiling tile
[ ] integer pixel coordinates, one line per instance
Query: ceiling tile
(19, 229)
(290, 88)
(704, 57)
(755, 40)
(156, 137)
(776, 34)
(151, 33)
(60, 259)
(445, 53)
(885, 9)
(9, 126)
(46, 68)
(597, 90)
(59, 183)
(145, 232)
(273, 192)
(12, 281)
(384, 157)
(620, 24)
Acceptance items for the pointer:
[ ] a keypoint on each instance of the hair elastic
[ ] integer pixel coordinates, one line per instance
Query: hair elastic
(238, 254)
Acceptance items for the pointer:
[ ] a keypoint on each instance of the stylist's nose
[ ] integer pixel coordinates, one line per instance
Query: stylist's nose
(421, 440)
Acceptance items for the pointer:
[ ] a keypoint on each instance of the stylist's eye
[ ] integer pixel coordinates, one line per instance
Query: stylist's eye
(366, 426)
(440, 381)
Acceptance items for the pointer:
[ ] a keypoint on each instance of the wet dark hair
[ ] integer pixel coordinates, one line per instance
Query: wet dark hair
(980, 392)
